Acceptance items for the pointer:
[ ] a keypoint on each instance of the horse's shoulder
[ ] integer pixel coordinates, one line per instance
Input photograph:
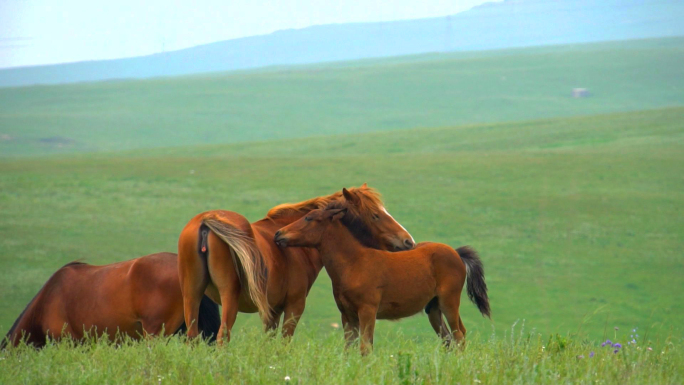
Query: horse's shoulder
(69, 269)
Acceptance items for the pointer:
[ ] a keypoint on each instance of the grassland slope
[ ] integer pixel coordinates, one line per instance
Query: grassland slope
(578, 220)
(436, 90)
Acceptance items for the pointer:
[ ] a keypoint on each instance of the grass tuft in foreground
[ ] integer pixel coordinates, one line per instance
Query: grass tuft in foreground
(253, 357)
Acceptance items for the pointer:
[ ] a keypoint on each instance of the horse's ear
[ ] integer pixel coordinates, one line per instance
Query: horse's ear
(339, 214)
(348, 196)
(365, 185)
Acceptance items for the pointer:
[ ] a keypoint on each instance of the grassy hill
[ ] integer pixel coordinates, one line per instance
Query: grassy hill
(437, 90)
(578, 220)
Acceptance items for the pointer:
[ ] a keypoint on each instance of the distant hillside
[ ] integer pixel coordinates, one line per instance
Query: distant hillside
(432, 90)
(507, 24)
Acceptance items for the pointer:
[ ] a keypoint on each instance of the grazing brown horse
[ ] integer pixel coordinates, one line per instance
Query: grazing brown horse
(370, 284)
(136, 298)
(238, 265)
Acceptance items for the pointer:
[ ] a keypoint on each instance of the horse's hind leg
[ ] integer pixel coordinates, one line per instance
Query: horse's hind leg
(229, 307)
(450, 307)
(194, 277)
(437, 323)
(225, 278)
(436, 320)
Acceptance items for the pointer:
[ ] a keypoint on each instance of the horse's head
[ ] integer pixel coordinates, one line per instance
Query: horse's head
(362, 211)
(383, 231)
(308, 231)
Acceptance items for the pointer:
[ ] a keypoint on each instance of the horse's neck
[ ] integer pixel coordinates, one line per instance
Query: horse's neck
(339, 249)
(266, 228)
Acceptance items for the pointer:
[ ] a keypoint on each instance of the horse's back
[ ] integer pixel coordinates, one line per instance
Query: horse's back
(446, 261)
(441, 258)
(436, 249)
(94, 299)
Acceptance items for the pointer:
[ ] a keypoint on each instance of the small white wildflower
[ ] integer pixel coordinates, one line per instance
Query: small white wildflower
(391, 355)
(477, 381)
(287, 378)
(271, 367)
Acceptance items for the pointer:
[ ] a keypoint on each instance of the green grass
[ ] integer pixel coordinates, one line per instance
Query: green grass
(352, 97)
(577, 220)
(520, 358)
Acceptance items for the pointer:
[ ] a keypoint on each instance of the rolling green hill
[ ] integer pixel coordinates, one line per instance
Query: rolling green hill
(578, 220)
(438, 90)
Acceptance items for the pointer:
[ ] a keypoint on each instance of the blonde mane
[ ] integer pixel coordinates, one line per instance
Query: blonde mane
(370, 200)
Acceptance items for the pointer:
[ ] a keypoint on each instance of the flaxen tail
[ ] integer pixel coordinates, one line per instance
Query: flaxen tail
(247, 259)
(477, 288)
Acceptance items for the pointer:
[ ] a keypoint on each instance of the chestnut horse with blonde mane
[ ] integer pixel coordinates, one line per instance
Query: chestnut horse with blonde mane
(237, 264)
(137, 298)
(370, 284)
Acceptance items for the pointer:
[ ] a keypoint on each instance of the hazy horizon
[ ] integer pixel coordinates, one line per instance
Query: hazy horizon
(47, 32)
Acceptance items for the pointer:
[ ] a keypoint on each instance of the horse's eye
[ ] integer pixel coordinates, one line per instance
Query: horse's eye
(376, 217)
(307, 219)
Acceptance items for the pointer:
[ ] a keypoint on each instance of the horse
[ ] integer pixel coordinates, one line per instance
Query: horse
(237, 264)
(137, 298)
(370, 284)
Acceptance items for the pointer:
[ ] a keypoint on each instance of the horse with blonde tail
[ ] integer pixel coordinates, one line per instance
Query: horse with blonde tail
(238, 265)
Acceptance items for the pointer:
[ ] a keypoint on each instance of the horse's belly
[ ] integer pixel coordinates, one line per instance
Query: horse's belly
(395, 308)
(106, 324)
(245, 304)
(390, 313)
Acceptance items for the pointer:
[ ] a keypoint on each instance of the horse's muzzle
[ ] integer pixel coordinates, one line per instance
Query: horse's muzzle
(279, 240)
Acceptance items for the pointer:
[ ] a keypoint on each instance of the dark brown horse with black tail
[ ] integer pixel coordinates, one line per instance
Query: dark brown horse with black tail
(237, 264)
(370, 284)
(136, 298)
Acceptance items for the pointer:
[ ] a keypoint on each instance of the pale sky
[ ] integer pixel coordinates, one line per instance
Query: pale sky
(36, 32)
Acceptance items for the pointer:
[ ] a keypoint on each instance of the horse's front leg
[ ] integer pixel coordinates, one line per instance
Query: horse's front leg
(271, 325)
(351, 330)
(293, 312)
(367, 316)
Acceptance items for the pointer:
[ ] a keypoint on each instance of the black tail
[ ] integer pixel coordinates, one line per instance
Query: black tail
(208, 322)
(477, 288)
